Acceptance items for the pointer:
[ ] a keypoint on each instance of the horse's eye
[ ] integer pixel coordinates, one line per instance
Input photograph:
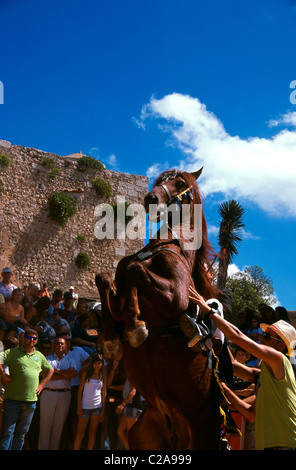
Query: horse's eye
(180, 184)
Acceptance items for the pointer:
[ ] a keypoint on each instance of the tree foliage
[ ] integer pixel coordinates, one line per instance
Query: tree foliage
(249, 288)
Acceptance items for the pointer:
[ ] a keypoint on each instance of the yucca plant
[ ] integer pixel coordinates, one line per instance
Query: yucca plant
(230, 235)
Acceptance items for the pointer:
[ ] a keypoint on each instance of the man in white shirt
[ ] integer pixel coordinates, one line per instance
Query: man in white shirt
(6, 286)
(56, 397)
(80, 358)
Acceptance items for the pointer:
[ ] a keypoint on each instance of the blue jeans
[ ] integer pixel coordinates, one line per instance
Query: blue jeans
(17, 417)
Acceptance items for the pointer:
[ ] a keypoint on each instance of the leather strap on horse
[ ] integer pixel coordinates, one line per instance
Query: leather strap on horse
(142, 256)
(165, 331)
(230, 428)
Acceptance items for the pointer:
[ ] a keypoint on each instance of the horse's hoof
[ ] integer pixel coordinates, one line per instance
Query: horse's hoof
(112, 349)
(137, 337)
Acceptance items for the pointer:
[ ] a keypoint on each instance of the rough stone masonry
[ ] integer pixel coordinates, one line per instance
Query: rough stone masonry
(38, 248)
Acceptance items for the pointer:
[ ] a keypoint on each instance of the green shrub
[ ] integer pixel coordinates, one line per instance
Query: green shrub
(115, 206)
(102, 187)
(62, 206)
(50, 164)
(55, 172)
(89, 162)
(82, 260)
(4, 160)
(81, 238)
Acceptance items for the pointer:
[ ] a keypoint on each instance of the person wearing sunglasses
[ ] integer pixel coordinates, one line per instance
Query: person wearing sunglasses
(22, 388)
(273, 407)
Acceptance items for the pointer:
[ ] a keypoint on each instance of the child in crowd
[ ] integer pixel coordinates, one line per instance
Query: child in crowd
(131, 408)
(91, 401)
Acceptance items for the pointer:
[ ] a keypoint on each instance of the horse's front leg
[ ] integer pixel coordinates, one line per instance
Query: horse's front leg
(106, 288)
(135, 329)
(151, 286)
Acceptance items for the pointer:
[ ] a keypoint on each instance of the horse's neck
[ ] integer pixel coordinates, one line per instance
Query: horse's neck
(175, 236)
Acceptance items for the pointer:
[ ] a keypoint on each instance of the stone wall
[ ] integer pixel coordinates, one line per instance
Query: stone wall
(39, 249)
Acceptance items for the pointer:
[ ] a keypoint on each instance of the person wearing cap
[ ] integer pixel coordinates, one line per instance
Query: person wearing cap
(6, 286)
(273, 407)
(74, 296)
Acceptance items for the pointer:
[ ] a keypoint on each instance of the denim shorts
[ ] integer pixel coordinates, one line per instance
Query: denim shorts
(86, 413)
(130, 412)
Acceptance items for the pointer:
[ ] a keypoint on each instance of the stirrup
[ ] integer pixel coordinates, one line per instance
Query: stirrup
(194, 340)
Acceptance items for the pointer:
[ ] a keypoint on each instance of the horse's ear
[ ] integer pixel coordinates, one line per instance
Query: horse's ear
(197, 174)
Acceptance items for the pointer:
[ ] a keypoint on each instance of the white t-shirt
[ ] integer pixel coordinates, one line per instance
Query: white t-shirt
(92, 394)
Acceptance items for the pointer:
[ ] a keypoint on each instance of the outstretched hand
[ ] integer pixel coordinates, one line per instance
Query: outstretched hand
(198, 299)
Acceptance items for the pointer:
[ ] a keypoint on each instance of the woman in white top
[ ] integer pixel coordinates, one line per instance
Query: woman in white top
(90, 401)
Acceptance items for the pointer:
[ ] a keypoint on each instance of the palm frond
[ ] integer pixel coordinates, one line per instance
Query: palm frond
(231, 227)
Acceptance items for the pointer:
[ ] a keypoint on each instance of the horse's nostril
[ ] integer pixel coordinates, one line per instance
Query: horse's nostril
(150, 199)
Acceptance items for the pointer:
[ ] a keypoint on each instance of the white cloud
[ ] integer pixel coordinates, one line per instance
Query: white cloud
(288, 119)
(258, 170)
(246, 235)
(233, 269)
(112, 160)
(156, 169)
(213, 230)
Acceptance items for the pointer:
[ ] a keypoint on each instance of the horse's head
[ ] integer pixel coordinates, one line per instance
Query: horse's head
(172, 187)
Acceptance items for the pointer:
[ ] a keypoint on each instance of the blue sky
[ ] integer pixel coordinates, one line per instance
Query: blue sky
(150, 85)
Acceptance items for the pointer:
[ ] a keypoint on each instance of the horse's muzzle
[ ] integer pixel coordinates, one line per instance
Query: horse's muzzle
(150, 199)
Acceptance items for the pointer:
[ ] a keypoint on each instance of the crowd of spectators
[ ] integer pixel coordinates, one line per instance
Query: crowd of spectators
(80, 388)
(67, 331)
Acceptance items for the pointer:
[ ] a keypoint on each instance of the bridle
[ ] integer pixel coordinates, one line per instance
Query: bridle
(179, 198)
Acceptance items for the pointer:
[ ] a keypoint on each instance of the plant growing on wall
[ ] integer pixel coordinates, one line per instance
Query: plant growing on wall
(102, 187)
(62, 206)
(82, 260)
(50, 164)
(122, 206)
(81, 238)
(87, 161)
(4, 160)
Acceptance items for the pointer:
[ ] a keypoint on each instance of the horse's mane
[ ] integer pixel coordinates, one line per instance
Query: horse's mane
(206, 253)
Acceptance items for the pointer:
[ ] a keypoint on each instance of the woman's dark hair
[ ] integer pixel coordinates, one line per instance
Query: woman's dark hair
(15, 291)
(42, 304)
(283, 314)
(95, 357)
(60, 311)
(256, 317)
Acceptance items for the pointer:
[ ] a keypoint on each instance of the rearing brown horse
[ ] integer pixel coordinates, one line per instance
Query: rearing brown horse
(149, 294)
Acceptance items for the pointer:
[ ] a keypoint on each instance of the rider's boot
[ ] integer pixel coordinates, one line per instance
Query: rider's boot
(195, 333)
